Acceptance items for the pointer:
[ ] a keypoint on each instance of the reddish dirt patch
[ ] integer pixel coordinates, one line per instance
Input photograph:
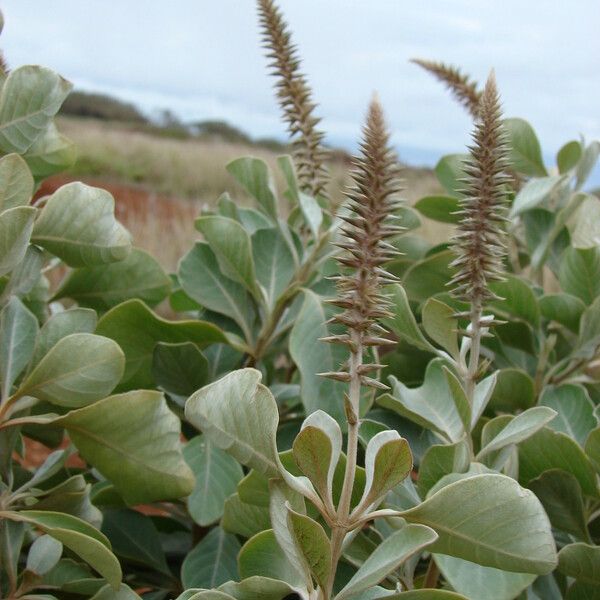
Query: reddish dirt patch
(131, 201)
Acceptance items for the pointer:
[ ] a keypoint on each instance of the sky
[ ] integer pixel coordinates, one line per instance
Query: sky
(202, 59)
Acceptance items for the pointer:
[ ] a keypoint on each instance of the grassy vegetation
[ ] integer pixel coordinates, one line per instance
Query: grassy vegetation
(173, 178)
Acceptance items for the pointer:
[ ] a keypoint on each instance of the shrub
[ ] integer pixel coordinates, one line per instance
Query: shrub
(474, 474)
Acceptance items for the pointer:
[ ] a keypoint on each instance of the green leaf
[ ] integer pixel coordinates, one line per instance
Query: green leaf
(587, 162)
(239, 414)
(568, 156)
(217, 476)
(179, 369)
(440, 460)
(244, 519)
(431, 405)
(18, 331)
(133, 440)
(16, 182)
(477, 582)
(592, 447)
(135, 538)
(212, 562)
(579, 273)
(428, 276)
(518, 429)
(387, 557)
(549, 449)
(312, 357)
(94, 238)
(102, 287)
(560, 494)
(43, 555)
(60, 325)
(258, 588)
(317, 450)
(27, 274)
(491, 520)
(202, 280)
(313, 543)
(51, 153)
(441, 325)
(533, 193)
(575, 410)
(484, 391)
(388, 461)
(273, 261)
(525, 153)
(562, 308)
(583, 225)
(29, 99)
(518, 300)
(16, 225)
(439, 208)
(78, 370)
(403, 323)
(514, 391)
(262, 556)
(580, 561)
(450, 172)
(426, 594)
(137, 330)
(77, 535)
(254, 175)
(108, 593)
(232, 246)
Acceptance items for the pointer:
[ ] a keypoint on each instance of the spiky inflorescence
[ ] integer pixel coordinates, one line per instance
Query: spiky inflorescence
(372, 200)
(463, 89)
(480, 242)
(294, 95)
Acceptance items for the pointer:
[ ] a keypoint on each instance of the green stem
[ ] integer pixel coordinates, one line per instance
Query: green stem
(342, 527)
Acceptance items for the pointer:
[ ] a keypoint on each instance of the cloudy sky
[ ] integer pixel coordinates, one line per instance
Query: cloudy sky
(202, 59)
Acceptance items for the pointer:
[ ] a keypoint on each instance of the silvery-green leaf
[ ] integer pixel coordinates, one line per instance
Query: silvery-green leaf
(18, 331)
(133, 439)
(239, 415)
(580, 561)
(16, 182)
(78, 370)
(29, 99)
(255, 176)
(232, 246)
(519, 428)
(575, 410)
(477, 582)
(44, 553)
(101, 287)
(217, 475)
(60, 325)
(51, 153)
(387, 557)
(212, 562)
(466, 514)
(94, 238)
(534, 192)
(16, 225)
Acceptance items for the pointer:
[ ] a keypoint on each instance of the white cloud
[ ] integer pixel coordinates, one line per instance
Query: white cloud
(203, 59)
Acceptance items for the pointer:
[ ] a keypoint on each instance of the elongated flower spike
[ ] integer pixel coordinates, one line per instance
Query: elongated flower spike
(480, 242)
(372, 200)
(460, 85)
(295, 99)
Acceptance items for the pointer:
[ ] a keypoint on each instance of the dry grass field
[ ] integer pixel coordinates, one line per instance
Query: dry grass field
(160, 183)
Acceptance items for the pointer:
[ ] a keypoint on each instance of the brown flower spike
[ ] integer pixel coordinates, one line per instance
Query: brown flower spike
(463, 89)
(294, 95)
(372, 201)
(480, 242)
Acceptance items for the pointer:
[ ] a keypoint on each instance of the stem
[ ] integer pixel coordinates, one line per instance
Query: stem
(352, 411)
(432, 575)
(473, 368)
